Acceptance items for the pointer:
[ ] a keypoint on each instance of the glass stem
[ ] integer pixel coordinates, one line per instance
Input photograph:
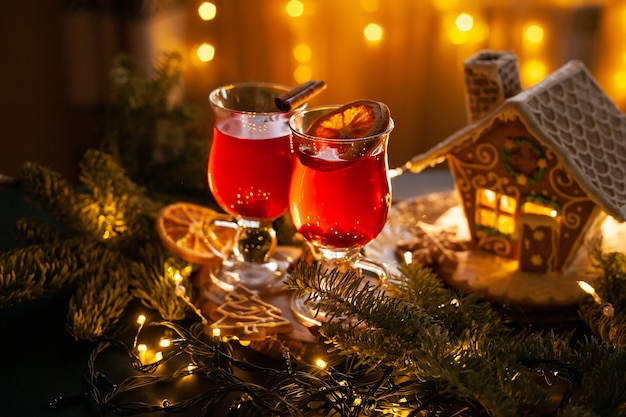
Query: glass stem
(255, 241)
(341, 259)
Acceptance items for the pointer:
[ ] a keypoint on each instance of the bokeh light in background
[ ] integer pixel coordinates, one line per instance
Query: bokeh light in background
(206, 52)
(534, 34)
(302, 52)
(406, 53)
(207, 11)
(294, 8)
(373, 32)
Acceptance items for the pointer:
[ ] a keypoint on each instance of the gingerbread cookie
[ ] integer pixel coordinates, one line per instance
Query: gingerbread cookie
(432, 247)
(243, 314)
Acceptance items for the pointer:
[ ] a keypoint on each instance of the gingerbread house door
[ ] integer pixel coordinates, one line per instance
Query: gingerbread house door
(538, 242)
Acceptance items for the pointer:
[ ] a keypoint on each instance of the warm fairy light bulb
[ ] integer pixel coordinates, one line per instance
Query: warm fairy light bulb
(206, 52)
(408, 257)
(294, 8)
(216, 332)
(321, 363)
(180, 290)
(142, 347)
(178, 278)
(191, 367)
(158, 356)
(207, 11)
(165, 342)
(373, 32)
(586, 287)
(607, 308)
(141, 319)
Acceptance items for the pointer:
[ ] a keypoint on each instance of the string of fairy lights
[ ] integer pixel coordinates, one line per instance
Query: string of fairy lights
(199, 368)
(459, 27)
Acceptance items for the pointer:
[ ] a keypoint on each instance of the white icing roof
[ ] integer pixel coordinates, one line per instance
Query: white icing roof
(569, 113)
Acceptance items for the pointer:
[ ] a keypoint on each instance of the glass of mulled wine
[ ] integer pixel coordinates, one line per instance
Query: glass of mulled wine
(249, 172)
(339, 199)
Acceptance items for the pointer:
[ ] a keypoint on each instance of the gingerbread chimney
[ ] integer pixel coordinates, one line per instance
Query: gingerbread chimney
(490, 78)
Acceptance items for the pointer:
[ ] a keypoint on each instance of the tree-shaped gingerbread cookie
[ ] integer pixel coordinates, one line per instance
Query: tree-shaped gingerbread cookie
(245, 315)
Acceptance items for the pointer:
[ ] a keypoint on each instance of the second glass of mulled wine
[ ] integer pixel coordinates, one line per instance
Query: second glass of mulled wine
(339, 198)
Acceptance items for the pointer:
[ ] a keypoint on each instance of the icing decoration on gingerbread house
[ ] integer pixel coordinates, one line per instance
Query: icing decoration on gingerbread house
(536, 171)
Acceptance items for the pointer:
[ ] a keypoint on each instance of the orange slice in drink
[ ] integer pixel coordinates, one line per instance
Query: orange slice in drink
(182, 229)
(352, 130)
(357, 119)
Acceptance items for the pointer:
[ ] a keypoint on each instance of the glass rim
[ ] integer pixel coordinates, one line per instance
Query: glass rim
(283, 88)
(330, 107)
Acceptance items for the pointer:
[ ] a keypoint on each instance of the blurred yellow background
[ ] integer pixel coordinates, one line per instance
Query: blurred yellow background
(406, 53)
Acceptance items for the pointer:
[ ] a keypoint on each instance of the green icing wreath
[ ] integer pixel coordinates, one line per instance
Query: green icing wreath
(524, 159)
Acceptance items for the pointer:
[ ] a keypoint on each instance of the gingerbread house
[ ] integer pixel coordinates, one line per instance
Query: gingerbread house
(535, 170)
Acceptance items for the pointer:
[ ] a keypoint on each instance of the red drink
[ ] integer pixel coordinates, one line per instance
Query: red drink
(250, 177)
(340, 208)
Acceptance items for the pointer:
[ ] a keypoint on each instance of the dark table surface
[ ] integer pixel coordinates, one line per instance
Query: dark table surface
(40, 361)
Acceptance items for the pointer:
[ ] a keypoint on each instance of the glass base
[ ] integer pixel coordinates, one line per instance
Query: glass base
(307, 314)
(261, 277)
(344, 260)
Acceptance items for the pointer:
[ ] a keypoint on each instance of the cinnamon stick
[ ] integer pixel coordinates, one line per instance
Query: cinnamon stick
(295, 97)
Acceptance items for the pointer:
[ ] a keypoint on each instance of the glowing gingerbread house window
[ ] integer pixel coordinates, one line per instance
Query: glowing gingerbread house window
(495, 211)
(538, 205)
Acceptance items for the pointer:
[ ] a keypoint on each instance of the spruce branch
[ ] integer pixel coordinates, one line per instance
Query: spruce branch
(99, 170)
(431, 334)
(152, 136)
(599, 361)
(51, 192)
(37, 270)
(117, 209)
(607, 319)
(35, 231)
(152, 282)
(99, 302)
(103, 231)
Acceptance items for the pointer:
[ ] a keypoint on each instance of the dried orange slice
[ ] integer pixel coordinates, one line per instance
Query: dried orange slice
(357, 119)
(344, 135)
(181, 227)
